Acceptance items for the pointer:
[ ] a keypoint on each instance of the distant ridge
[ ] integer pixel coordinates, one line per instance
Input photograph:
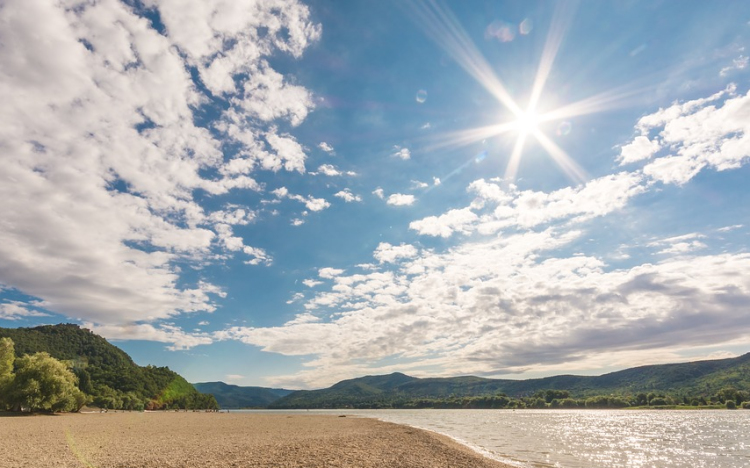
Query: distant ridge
(234, 396)
(692, 378)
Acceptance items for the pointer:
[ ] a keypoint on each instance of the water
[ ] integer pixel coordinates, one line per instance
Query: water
(597, 438)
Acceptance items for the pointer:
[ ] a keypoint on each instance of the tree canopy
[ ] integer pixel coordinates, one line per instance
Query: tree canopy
(42, 383)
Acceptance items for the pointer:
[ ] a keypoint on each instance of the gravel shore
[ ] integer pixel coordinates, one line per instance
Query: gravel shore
(168, 439)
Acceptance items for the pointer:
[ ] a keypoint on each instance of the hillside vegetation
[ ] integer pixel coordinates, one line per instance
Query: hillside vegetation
(107, 374)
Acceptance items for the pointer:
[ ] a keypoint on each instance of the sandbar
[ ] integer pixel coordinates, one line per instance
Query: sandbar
(208, 440)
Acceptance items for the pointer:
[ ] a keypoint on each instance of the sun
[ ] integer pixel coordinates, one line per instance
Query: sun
(527, 122)
(443, 27)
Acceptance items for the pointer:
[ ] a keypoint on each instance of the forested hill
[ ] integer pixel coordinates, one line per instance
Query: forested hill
(234, 396)
(105, 372)
(686, 382)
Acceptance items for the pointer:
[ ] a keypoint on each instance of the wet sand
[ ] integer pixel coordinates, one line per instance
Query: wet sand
(140, 440)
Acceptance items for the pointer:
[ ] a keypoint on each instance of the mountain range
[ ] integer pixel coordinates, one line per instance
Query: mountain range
(693, 379)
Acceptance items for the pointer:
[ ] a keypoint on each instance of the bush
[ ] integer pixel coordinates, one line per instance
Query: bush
(745, 405)
(731, 404)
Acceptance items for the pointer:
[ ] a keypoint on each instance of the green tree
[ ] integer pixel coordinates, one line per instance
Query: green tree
(7, 356)
(42, 383)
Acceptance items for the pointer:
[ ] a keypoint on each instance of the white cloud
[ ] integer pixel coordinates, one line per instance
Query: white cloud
(297, 222)
(415, 185)
(234, 216)
(641, 148)
(290, 153)
(702, 133)
(102, 156)
(331, 171)
(348, 196)
(402, 153)
(312, 203)
(325, 147)
(378, 192)
(504, 305)
(258, 255)
(311, 283)
(15, 310)
(446, 224)
(329, 273)
(497, 208)
(296, 298)
(679, 245)
(740, 63)
(387, 253)
(164, 333)
(400, 199)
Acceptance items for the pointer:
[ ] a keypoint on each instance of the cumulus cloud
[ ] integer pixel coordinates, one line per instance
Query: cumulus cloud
(311, 203)
(504, 306)
(401, 153)
(331, 171)
(711, 132)
(311, 283)
(15, 310)
(496, 208)
(102, 156)
(348, 196)
(679, 245)
(164, 333)
(329, 273)
(640, 148)
(233, 216)
(378, 192)
(325, 147)
(400, 199)
(387, 253)
(446, 224)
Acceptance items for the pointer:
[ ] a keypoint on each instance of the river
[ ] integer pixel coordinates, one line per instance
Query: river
(591, 438)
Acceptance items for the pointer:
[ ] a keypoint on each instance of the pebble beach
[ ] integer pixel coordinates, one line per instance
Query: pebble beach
(207, 440)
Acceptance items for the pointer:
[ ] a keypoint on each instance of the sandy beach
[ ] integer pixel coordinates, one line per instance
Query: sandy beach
(139, 440)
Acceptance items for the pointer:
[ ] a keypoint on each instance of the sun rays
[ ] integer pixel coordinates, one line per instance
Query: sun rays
(442, 27)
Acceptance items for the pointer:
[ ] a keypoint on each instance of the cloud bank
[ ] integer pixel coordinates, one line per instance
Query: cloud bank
(512, 294)
(103, 164)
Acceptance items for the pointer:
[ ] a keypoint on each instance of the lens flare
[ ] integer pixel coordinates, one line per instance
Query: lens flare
(525, 27)
(442, 26)
(564, 128)
(421, 96)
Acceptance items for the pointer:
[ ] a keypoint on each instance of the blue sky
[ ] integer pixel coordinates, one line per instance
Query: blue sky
(287, 193)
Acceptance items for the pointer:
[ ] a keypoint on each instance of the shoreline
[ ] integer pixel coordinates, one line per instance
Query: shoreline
(145, 440)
